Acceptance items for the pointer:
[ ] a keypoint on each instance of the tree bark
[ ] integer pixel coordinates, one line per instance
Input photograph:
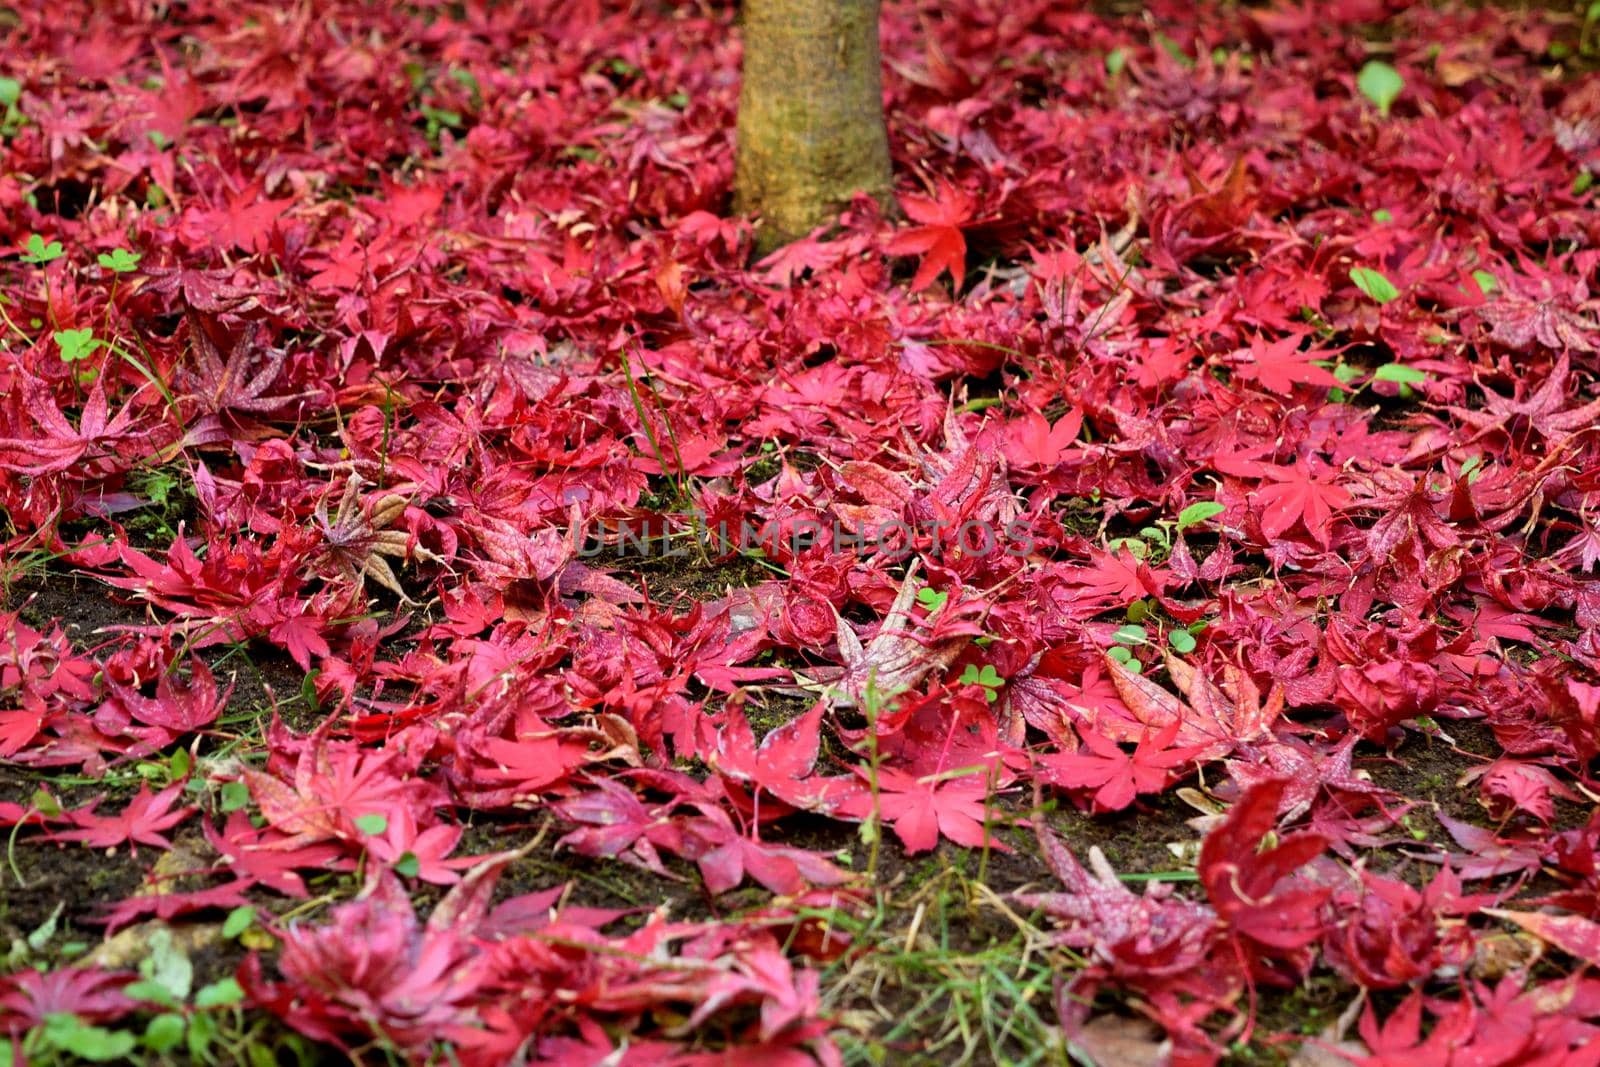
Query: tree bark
(811, 130)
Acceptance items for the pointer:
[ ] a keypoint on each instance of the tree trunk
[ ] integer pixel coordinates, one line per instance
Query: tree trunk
(811, 130)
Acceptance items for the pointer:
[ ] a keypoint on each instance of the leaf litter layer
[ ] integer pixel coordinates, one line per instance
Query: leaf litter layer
(1232, 373)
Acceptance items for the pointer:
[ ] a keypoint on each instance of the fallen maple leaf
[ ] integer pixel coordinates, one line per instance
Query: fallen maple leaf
(1281, 365)
(1033, 442)
(897, 657)
(922, 810)
(358, 537)
(140, 823)
(29, 997)
(62, 444)
(1149, 936)
(938, 239)
(1572, 934)
(1118, 776)
(177, 709)
(1297, 494)
(1254, 889)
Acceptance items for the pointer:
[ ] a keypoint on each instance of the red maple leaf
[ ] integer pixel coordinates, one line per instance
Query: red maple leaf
(1389, 935)
(1298, 495)
(1488, 854)
(922, 810)
(244, 221)
(1032, 442)
(341, 269)
(613, 821)
(781, 765)
(725, 856)
(1156, 934)
(63, 445)
(786, 264)
(1573, 934)
(302, 636)
(253, 855)
(939, 239)
(1119, 578)
(141, 822)
(524, 756)
(171, 903)
(339, 790)
(28, 997)
(187, 287)
(430, 848)
(532, 760)
(1252, 888)
(17, 730)
(373, 960)
(1117, 775)
(1281, 365)
(177, 709)
(238, 384)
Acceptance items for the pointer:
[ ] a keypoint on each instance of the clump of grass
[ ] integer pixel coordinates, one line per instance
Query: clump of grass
(947, 973)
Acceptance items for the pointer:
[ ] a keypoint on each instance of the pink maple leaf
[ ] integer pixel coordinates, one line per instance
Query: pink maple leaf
(140, 823)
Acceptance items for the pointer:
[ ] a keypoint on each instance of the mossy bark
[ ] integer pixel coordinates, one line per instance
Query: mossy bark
(811, 132)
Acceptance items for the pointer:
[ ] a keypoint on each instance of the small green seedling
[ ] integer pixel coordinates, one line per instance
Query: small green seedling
(235, 795)
(1198, 512)
(1381, 84)
(1175, 50)
(238, 921)
(166, 976)
(119, 261)
(1403, 376)
(1346, 374)
(1135, 547)
(175, 768)
(1400, 374)
(66, 1033)
(75, 346)
(40, 253)
(1124, 656)
(1374, 284)
(1154, 542)
(372, 824)
(166, 980)
(1131, 635)
(10, 115)
(932, 599)
(988, 677)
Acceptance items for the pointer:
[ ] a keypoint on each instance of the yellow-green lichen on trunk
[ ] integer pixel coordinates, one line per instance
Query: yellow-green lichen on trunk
(811, 132)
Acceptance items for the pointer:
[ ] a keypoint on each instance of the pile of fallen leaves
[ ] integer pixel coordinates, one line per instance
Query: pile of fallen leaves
(1233, 377)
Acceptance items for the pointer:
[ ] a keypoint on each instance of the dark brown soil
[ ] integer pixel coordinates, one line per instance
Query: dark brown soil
(79, 878)
(83, 607)
(687, 577)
